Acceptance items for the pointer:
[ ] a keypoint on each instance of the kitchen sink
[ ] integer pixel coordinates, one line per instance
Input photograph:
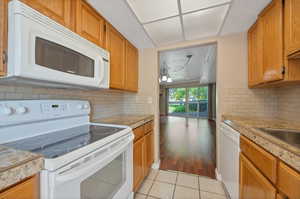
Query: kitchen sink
(289, 136)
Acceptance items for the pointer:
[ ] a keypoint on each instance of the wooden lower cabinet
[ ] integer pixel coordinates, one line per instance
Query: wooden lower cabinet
(253, 185)
(149, 142)
(143, 156)
(28, 189)
(138, 163)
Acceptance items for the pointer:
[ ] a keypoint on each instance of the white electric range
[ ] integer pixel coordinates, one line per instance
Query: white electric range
(82, 160)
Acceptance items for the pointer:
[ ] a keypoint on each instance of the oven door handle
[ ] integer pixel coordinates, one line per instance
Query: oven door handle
(93, 165)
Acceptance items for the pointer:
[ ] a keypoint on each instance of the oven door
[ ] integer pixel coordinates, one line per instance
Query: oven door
(41, 49)
(104, 174)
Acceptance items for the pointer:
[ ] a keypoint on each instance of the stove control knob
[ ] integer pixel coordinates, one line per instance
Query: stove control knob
(80, 106)
(7, 110)
(21, 110)
(86, 106)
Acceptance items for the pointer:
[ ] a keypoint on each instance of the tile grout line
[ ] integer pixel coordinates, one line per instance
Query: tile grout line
(199, 187)
(154, 179)
(175, 185)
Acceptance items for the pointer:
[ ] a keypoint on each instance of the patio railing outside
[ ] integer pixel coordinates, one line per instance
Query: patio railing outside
(195, 108)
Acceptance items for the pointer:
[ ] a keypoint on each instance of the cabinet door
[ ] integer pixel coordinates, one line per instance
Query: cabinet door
(138, 163)
(116, 45)
(3, 36)
(89, 23)
(288, 181)
(272, 30)
(292, 26)
(255, 70)
(252, 183)
(58, 10)
(28, 189)
(131, 70)
(149, 152)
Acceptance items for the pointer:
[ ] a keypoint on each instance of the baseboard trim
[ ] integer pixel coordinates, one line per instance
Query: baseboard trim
(218, 175)
(156, 165)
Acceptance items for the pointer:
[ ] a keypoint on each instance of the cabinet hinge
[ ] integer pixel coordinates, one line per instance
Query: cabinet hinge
(4, 57)
(283, 70)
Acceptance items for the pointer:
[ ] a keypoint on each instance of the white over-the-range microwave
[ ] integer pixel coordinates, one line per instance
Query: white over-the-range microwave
(42, 52)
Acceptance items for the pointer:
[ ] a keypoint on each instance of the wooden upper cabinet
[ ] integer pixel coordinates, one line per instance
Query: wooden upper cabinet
(3, 36)
(58, 10)
(292, 26)
(28, 189)
(89, 24)
(252, 183)
(131, 68)
(255, 71)
(116, 45)
(272, 38)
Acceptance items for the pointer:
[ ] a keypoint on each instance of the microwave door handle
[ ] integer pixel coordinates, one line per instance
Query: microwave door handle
(93, 166)
(101, 68)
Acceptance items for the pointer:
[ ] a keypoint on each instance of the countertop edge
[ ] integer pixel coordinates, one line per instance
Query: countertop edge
(288, 157)
(20, 172)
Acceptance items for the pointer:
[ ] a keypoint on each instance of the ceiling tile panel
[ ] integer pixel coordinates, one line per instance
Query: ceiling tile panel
(150, 10)
(205, 23)
(165, 31)
(192, 5)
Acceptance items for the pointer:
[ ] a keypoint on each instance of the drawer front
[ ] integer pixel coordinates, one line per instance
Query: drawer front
(288, 181)
(262, 159)
(28, 189)
(149, 127)
(139, 132)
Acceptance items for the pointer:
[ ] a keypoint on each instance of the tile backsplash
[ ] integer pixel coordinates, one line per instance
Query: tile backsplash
(249, 102)
(289, 103)
(104, 102)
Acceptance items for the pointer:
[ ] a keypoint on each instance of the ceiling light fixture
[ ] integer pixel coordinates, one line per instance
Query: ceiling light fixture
(169, 80)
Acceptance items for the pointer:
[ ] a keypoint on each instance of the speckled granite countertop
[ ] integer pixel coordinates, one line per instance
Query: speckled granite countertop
(247, 127)
(17, 165)
(128, 120)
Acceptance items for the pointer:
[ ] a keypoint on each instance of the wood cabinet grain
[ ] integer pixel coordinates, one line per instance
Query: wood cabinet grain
(138, 163)
(149, 141)
(292, 26)
(89, 24)
(252, 183)
(288, 181)
(263, 160)
(28, 189)
(3, 36)
(255, 70)
(116, 45)
(143, 154)
(58, 10)
(272, 39)
(131, 68)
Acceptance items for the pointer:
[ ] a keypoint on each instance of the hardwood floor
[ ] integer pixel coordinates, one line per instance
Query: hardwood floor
(188, 145)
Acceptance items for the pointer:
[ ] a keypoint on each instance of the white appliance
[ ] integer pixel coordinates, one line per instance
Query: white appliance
(229, 159)
(82, 160)
(44, 53)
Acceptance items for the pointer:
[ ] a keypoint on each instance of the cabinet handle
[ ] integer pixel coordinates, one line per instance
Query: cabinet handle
(4, 57)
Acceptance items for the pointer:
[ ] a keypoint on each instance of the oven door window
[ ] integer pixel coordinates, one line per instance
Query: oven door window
(57, 57)
(105, 183)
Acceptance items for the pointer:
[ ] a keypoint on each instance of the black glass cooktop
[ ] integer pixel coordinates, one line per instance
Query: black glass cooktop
(58, 143)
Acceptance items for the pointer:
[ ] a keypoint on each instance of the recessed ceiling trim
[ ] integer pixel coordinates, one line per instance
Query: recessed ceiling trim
(181, 19)
(225, 17)
(214, 6)
(147, 34)
(162, 19)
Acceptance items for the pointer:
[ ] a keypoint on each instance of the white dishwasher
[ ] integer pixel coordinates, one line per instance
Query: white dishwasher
(229, 159)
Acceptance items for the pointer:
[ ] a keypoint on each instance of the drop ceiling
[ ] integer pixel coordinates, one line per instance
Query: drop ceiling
(150, 23)
(171, 21)
(201, 68)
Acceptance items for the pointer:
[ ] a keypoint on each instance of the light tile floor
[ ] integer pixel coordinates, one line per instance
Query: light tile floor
(161, 184)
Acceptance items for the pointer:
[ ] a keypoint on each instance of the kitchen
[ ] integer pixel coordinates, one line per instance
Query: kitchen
(253, 90)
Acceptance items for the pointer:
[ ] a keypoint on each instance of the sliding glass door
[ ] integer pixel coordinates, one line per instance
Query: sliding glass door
(188, 102)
